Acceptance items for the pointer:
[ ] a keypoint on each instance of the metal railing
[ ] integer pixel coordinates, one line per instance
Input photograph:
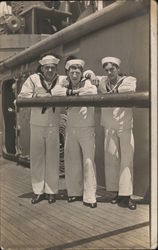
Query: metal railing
(139, 100)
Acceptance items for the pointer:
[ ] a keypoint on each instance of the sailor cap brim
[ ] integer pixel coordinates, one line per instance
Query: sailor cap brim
(114, 60)
(74, 62)
(49, 60)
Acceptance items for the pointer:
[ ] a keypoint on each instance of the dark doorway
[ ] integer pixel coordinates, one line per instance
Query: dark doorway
(8, 109)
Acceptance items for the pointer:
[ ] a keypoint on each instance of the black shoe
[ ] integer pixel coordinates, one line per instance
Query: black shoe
(116, 200)
(51, 198)
(74, 198)
(127, 202)
(132, 205)
(37, 198)
(91, 205)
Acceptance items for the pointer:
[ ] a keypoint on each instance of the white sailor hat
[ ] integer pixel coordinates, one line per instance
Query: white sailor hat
(49, 59)
(114, 60)
(74, 62)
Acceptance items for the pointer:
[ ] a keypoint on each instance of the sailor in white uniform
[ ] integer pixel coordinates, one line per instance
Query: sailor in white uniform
(44, 124)
(80, 169)
(119, 141)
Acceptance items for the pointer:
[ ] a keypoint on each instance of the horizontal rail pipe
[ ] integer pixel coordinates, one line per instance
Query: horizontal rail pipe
(139, 100)
(110, 15)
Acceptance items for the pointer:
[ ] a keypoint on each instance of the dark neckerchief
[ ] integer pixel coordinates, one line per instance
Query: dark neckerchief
(81, 84)
(48, 89)
(115, 88)
(44, 85)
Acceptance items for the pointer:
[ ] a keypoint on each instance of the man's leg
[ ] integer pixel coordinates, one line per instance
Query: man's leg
(126, 171)
(37, 161)
(73, 164)
(111, 160)
(87, 141)
(52, 161)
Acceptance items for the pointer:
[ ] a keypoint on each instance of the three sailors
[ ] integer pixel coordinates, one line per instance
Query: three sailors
(80, 169)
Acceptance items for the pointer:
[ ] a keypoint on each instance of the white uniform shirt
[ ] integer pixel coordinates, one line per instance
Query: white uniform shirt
(117, 118)
(76, 118)
(32, 87)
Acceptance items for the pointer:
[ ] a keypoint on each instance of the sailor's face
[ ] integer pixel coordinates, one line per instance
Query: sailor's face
(75, 75)
(111, 71)
(49, 71)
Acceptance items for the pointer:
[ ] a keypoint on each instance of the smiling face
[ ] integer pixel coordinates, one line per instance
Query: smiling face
(111, 70)
(49, 71)
(75, 74)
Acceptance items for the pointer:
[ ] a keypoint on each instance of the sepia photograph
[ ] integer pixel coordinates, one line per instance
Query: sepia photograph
(78, 125)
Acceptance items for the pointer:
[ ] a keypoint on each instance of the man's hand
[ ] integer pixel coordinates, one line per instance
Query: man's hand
(89, 74)
(82, 91)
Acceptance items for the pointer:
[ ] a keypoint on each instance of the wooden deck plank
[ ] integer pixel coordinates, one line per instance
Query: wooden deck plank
(64, 225)
(17, 236)
(140, 241)
(72, 230)
(138, 213)
(36, 218)
(115, 214)
(67, 211)
(8, 237)
(115, 217)
(27, 230)
(67, 225)
(73, 224)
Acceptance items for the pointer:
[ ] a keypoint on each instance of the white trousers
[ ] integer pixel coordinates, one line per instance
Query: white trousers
(118, 160)
(44, 158)
(80, 169)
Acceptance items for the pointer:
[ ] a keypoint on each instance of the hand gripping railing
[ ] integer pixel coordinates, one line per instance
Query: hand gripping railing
(138, 100)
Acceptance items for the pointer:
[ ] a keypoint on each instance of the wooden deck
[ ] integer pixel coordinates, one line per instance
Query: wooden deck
(64, 225)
